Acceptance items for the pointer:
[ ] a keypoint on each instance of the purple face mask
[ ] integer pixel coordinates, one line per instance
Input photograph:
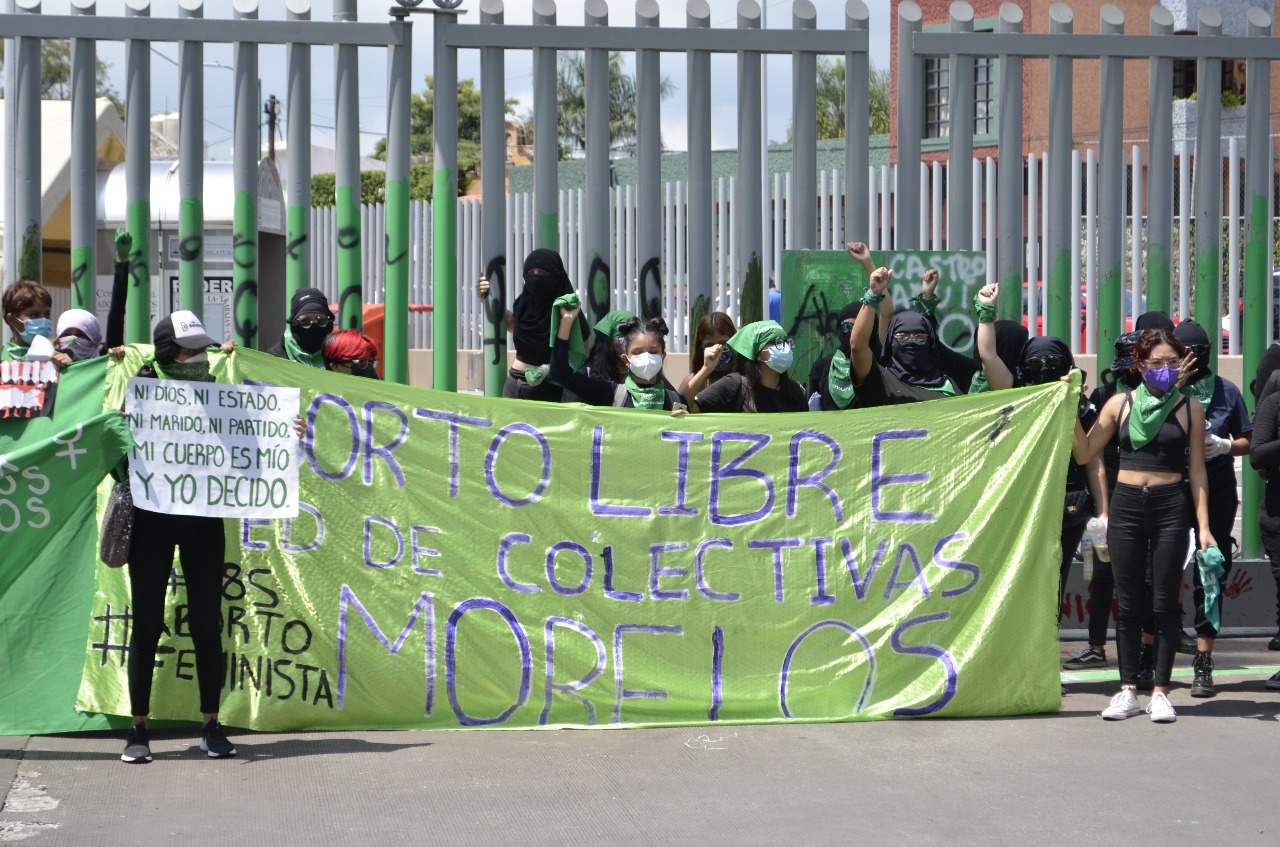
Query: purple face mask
(1161, 378)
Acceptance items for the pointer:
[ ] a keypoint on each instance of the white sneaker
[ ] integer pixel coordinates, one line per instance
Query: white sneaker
(1123, 705)
(1161, 710)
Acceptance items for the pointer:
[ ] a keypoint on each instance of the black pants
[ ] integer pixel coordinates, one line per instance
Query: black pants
(1070, 539)
(1269, 526)
(1223, 502)
(201, 550)
(1147, 524)
(516, 388)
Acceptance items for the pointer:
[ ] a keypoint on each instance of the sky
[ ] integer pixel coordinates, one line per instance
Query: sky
(219, 110)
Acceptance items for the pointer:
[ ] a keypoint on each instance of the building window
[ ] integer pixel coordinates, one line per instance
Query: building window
(983, 95)
(1184, 78)
(937, 81)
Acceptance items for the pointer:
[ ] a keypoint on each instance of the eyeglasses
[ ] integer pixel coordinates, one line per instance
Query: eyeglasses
(1163, 363)
(846, 327)
(911, 339)
(1046, 363)
(311, 321)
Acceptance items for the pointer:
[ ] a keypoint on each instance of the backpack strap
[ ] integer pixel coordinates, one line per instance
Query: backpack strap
(620, 394)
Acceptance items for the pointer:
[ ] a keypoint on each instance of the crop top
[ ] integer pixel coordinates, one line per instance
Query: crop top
(1167, 452)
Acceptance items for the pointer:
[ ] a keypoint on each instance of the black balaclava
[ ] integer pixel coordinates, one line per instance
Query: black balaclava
(1192, 335)
(532, 309)
(1011, 337)
(167, 348)
(849, 313)
(1153, 320)
(918, 366)
(1267, 365)
(309, 301)
(1122, 364)
(1045, 345)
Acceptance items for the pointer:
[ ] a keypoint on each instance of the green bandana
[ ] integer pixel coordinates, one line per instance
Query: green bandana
(1201, 389)
(608, 325)
(979, 384)
(840, 380)
(297, 354)
(534, 375)
(986, 311)
(1148, 415)
(13, 351)
(577, 352)
(646, 396)
(188, 371)
(754, 337)
(925, 305)
(870, 298)
(947, 389)
(1212, 565)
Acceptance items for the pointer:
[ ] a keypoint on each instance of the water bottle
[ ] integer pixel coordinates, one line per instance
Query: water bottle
(1086, 553)
(1097, 531)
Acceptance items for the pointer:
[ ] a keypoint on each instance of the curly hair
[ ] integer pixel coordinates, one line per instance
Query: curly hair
(1148, 340)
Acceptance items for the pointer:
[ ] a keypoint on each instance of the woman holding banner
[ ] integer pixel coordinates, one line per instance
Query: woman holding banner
(1161, 434)
(644, 349)
(710, 360)
(761, 383)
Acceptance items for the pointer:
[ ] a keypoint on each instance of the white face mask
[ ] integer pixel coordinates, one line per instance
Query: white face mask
(645, 365)
(780, 357)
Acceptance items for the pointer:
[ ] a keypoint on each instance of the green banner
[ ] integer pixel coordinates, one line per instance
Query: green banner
(468, 561)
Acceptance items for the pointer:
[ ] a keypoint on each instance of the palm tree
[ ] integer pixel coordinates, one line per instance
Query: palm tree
(622, 105)
(831, 100)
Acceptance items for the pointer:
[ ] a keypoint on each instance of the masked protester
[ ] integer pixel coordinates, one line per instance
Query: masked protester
(1161, 438)
(644, 349)
(710, 358)
(351, 352)
(28, 307)
(310, 323)
(79, 335)
(831, 377)
(606, 357)
(1227, 433)
(761, 383)
(1010, 338)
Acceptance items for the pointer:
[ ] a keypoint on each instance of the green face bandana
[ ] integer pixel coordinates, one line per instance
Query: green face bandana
(296, 354)
(189, 371)
(608, 325)
(577, 351)
(754, 337)
(1148, 415)
(840, 380)
(646, 396)
(1201, 389)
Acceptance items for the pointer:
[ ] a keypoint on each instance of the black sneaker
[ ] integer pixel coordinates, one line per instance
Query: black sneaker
(1089, 657)
(1145, 678)
(1273, 684)
(1202, 685)
(1274, 643)
(137, 745)
(1186, 644)
(214, 741)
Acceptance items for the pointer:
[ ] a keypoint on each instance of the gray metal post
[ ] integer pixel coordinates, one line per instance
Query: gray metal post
(1208, 190)
(395, 347)
(297, 268)
(444, 209)
(1009, 173)
(248, 149)
(28, 219)
(1111, 184)
(649, 168)
(191, 166)
(1061, 299)
(84, 163)
(546, 150)
(750, 240)
(960, 146)
(907, 197)
(599, 275)
(804, 133)
(493, 162)
(857, 110)
(10, 242)
(1160, 171)
(137, 179)
(698, 15)
(347, 166)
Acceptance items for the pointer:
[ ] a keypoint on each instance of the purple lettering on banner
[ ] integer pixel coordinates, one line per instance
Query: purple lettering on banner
(246, 526)
(348, 598)
(621, 693)
(504, 549)
(967, 567)
(777, 545)
(453, 420)
(796, 482)
(450, 660)
(860, 584)
(907, 550)
(369, 523)
(567, 688)
(822, 598)
(880, 480)
(491, 459)
(288, 546)
(309, 443)
(609, 592)
(419, 550)
(681, 509)
(700, 574)
(948, 664)
(383, 452)
(656, 573)
(553, 553)
(757, 442)
(791, 651)
(604, 510)
(717, 674)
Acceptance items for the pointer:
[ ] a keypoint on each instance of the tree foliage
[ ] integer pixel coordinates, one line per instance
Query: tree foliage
(55, 74)
(831, 112)
(572, 103)
(373, 186)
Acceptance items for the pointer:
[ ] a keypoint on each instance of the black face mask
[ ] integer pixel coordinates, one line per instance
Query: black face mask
(311, 338)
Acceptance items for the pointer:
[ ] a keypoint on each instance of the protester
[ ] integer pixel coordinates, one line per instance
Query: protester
(761, 383)
(710, 359)
(27, 307)
(1264, 455)
(310, 322)
(1160, 437)
(644, 350)
(965, 372)
(831, 377)
(351, 352)
(1010, 338)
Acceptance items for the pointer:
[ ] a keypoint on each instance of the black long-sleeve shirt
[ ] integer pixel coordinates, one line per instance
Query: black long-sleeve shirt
(1264, 449)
